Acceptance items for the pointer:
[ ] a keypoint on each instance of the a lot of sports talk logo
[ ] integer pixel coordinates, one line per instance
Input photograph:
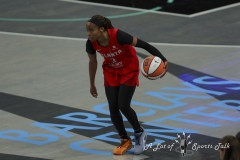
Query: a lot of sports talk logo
(184, 145)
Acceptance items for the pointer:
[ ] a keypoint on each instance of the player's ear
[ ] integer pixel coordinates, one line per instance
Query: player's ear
(102, 29)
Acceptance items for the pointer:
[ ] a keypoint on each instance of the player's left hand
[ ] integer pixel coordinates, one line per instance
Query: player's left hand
(166, 68)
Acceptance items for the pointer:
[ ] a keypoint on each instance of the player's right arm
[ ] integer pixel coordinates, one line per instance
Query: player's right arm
(125, 38)
(92, 68)
(92, 73)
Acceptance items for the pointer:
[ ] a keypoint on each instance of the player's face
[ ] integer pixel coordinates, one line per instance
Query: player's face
(93, 31)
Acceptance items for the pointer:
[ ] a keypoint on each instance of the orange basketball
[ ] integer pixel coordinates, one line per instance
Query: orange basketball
(152, 67)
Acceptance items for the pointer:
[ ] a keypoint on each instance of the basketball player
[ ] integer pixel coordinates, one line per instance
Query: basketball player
(121, 71)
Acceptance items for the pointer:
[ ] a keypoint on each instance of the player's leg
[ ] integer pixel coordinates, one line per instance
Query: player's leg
(124, 103)
(117, 120)
(116, 117)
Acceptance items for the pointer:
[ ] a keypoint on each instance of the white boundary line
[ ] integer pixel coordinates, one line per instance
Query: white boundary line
(153, 43)
(214, 10)
(156, 12)
(126, 8)
(42, 36)
(195, 45)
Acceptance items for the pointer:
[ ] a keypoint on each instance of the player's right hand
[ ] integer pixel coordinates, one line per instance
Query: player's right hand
(166, 68)
(93, 91)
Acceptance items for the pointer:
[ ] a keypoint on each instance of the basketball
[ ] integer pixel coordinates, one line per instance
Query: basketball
(152, 67)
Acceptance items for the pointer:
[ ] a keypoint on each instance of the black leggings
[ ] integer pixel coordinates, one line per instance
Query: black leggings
(119, 99)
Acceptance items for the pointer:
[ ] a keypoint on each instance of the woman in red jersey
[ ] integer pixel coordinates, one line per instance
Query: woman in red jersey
(121, 72)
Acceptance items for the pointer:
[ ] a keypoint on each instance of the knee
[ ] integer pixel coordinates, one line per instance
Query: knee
(113, 109)
(124, 108)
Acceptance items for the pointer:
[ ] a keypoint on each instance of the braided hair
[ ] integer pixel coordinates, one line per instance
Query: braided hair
(101, 21)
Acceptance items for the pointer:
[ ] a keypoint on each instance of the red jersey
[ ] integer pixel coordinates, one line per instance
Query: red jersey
(115, 55)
